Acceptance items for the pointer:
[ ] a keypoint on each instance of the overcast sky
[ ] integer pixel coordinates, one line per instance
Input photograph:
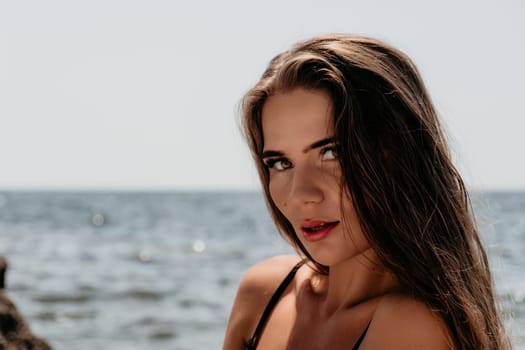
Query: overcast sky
(106, 94)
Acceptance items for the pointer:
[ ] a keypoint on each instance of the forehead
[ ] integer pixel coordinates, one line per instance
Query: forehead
(296, 116)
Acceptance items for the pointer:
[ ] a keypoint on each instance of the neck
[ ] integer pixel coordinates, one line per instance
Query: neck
(354, 281)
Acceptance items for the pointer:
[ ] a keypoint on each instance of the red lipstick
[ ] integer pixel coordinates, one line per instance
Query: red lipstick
(316, 230)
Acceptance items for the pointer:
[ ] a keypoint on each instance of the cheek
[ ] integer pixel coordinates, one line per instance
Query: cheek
(278, 194)
(353, 225)
(333, 172)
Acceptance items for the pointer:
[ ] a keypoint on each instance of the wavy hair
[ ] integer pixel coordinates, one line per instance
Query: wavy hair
(410, 199)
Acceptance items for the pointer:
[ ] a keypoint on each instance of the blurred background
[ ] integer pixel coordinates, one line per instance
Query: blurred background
(129, 207)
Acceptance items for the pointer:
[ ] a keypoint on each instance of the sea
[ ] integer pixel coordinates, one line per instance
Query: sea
(159, 270)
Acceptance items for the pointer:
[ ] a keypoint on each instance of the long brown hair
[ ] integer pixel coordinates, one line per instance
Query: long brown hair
(410, 199)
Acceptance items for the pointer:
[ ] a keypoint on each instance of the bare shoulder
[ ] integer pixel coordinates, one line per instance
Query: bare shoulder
(402, 322)
(255, 290)
(265, 276)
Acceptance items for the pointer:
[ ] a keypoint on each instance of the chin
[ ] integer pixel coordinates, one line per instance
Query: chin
(333, 253)
(326, 258)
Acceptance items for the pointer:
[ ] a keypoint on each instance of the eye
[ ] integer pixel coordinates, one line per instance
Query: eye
(329, 153)
(278, 164)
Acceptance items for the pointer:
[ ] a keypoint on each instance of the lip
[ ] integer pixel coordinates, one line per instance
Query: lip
(316, 230)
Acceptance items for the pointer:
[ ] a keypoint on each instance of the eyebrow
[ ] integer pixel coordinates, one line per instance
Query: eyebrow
(316, 144)
(319, 143)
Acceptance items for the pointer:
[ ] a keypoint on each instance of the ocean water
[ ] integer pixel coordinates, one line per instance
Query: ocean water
(160, 270)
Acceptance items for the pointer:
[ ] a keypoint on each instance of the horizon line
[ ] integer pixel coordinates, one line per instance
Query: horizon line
(193, 189)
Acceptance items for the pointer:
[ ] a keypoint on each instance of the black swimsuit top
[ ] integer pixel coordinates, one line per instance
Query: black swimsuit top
(251, 344)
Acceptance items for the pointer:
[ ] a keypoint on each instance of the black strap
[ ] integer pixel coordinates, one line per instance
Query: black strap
(254, 340)
(361, 337)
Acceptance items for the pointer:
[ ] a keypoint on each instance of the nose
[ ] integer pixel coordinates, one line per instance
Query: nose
(306, 186)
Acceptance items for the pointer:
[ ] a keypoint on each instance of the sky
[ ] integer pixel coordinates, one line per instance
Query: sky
(144, 94)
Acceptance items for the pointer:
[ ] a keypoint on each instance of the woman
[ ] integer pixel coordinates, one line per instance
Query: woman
(358, 177)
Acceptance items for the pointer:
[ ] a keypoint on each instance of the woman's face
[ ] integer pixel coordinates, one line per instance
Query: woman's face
(305, 176)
